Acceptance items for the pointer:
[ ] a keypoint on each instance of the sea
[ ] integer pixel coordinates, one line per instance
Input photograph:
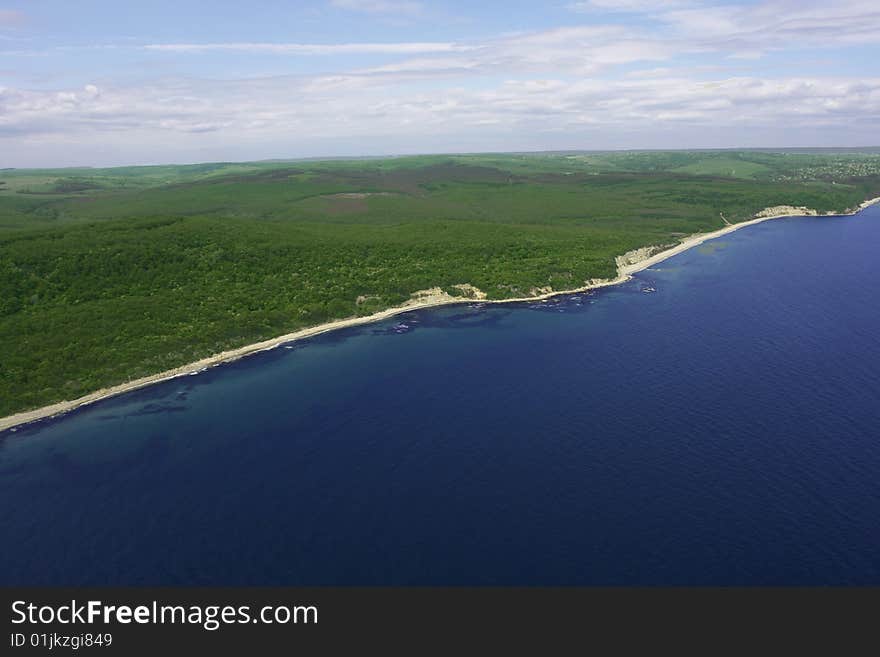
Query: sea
(713, 421)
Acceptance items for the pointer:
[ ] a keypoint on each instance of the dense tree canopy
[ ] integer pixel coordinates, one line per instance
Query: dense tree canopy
(110, 275)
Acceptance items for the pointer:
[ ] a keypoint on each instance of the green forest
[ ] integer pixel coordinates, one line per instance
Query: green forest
(112, 274)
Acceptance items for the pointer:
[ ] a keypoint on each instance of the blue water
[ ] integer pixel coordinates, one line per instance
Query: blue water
(722, 429)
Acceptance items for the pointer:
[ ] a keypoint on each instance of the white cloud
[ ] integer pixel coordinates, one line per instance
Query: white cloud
(754, 27)
(398, 7)
(629, 6)
(779, 23)
(309, 48)
(742, 32)
(575, 50)
(618, 79)
(331, 106)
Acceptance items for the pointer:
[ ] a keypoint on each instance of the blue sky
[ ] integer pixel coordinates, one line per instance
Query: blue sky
(96, 82)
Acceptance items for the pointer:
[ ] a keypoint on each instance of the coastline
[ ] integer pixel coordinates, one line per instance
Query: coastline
(627, 265)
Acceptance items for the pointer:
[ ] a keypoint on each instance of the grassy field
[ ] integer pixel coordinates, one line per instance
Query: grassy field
(112, 274)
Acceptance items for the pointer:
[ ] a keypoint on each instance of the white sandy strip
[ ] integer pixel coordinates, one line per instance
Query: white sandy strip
(625, 272)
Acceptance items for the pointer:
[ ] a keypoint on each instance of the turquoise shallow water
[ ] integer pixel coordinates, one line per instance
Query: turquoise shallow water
(713, 421)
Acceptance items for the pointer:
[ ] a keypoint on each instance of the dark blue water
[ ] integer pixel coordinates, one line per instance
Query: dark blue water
(723, 429)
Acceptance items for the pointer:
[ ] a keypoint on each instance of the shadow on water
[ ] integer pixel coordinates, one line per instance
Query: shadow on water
(60, 467)
(472, 316)
(151, 450)
(164, 398)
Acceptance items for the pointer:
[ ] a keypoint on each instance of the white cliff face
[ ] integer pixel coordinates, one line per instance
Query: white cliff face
(803, 211)
(787, 211)
(470, 291)
(637, 255)
(434, 295)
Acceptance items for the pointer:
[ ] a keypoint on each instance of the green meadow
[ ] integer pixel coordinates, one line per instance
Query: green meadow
(112, 274)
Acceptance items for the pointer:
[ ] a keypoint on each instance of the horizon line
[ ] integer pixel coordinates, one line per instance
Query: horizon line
(322, 158)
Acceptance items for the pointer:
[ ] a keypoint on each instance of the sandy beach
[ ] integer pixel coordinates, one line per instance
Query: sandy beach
(627, 265)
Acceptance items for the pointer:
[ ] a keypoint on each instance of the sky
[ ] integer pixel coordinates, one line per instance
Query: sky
(103, 82)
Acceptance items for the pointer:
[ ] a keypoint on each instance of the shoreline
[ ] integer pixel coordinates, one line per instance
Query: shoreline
(627, 265)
